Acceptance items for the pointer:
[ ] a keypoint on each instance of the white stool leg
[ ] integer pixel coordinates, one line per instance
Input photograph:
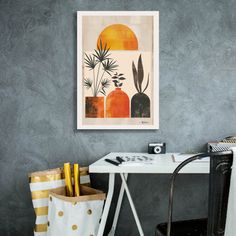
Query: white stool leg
(107, 204)
(118, 206)
(132, 205)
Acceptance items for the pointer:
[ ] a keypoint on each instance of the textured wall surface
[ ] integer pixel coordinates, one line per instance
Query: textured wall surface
(38, 101)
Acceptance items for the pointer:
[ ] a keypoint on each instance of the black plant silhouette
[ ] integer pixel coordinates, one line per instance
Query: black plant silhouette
(100, 63)
(117, 78)
(140, 102)
(138, 76)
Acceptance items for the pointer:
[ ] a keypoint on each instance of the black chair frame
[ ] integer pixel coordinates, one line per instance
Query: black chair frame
(223, 166)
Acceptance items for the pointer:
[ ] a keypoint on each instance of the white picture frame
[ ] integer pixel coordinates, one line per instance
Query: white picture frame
(110, 118)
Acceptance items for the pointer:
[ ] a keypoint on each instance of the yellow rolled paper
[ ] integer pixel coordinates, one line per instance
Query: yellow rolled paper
(77, 179)
(68, 180)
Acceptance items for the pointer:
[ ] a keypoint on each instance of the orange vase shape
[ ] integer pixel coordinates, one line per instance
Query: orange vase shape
(94, 107)
(117, 104)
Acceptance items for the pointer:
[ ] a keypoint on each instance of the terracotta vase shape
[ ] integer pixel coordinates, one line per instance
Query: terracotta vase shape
(94, 107)
(117, 104)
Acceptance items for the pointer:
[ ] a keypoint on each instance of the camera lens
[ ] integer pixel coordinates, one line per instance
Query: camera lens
(157, 149)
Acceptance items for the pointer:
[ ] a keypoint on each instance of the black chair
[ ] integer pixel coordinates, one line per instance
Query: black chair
(219, 182)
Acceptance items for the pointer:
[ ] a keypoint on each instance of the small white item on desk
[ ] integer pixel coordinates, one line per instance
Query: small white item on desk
(136, 160)
(140, 158)
(180, 157)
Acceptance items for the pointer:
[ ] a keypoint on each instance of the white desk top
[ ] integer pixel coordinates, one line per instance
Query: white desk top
(162, 164)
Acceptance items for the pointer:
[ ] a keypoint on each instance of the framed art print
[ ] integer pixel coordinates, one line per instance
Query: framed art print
(118, 70)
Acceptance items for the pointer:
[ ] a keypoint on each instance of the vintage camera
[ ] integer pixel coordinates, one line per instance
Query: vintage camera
(156, 148)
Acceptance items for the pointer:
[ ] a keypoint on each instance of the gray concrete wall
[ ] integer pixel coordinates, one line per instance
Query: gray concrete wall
(38, 101)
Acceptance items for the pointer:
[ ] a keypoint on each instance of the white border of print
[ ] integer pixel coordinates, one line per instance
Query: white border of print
(155, 14)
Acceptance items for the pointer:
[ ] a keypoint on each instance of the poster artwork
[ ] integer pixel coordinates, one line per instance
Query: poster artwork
(118, 67)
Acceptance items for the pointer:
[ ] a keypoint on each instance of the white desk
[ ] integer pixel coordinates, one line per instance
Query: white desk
(162, 164)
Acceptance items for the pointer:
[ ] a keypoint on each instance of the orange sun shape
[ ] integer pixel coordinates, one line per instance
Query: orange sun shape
(118, 37)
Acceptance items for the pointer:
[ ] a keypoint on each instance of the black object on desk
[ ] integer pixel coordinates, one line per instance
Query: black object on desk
(120, 159)
(112, 162)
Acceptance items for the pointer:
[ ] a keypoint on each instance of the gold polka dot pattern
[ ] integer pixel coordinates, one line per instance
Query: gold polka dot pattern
(74, 227)
(60, 213)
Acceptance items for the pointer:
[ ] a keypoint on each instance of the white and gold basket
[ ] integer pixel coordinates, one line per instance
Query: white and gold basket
(41, 183)
(80, 215)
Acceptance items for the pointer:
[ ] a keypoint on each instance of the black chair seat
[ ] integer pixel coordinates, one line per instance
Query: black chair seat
(184, 228)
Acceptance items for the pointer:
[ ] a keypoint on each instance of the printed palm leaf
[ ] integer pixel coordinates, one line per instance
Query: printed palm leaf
(88, 83)
(99, 61)
(102, 52)
(109, 66)
(90, 61)
(105, 84)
